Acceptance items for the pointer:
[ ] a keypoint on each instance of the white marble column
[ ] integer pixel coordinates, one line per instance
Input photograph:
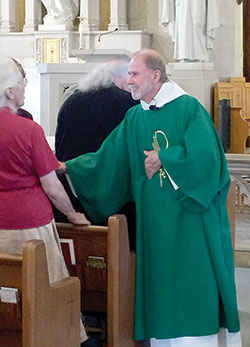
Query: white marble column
(8, 15)
(118, 15)
(89, 13)
(33, 15)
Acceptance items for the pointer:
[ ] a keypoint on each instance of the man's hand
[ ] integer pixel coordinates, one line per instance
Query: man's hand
(62, 168)
(152, 163)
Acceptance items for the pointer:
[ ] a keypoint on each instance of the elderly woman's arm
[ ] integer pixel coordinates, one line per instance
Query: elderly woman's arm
(57, 195)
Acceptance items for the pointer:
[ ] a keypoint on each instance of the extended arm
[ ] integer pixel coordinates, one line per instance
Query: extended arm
(56, 193)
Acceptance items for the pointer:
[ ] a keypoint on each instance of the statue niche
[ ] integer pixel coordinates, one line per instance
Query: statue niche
(191, 25)
(60, 11)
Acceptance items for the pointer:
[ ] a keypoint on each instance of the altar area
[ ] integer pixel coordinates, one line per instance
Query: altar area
(55, 52)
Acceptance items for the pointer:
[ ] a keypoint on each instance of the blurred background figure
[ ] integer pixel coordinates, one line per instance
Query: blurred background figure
(96, 106)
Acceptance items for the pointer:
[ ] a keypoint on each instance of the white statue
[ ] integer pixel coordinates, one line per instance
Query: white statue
(191, 24)
(60, 11)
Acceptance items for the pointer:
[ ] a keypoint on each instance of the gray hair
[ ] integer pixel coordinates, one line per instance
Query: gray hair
(9, 77)
(103, 76)
(153, 61)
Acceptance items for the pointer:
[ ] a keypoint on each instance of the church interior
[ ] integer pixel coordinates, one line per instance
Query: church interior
(57, 50)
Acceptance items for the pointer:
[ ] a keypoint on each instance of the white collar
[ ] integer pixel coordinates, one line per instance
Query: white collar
(168, 92)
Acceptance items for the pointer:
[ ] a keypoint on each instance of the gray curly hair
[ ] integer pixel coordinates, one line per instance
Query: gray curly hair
(103, 75)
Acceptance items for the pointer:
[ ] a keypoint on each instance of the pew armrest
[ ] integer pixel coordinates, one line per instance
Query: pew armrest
(239, 131)
(50, 313)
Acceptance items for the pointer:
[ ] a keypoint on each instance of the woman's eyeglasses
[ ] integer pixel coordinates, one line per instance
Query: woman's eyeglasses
(24, 81)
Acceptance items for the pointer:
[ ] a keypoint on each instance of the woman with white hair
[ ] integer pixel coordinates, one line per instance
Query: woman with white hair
(28, 180)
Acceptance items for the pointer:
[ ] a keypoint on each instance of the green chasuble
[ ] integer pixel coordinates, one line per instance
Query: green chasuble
(185, 272)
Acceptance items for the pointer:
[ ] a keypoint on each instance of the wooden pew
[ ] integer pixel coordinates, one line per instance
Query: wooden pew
(237, 90)
(47, 315)
(106, 268)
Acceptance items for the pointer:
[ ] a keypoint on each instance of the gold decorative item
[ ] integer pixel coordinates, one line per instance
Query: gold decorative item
(97, 262)
(51, 51)
(157, 147)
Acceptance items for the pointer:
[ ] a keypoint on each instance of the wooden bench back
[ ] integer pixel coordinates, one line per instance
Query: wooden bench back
(110, 288)
(47, 314)
(237, 90)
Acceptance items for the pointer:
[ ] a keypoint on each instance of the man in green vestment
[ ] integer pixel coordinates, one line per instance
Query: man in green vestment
(166, 156)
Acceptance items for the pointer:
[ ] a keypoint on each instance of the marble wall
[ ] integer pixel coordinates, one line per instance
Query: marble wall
(143, 19)
(146, 15)
(227, 53)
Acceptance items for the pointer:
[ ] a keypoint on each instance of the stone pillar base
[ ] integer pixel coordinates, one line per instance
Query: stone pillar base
(7, 26)
(67, 26)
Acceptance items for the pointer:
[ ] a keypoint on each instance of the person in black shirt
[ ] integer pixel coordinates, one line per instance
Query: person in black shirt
(96, 106)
